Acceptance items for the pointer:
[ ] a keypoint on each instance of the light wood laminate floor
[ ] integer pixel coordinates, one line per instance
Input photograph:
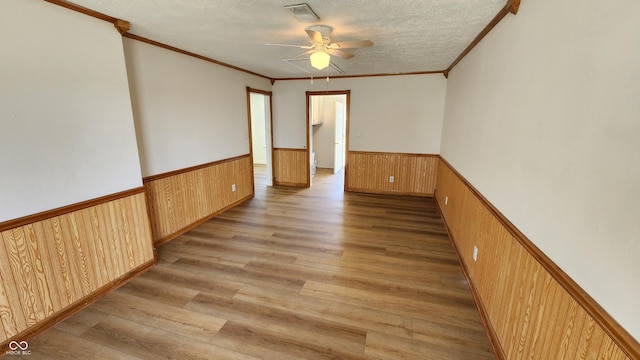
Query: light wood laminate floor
(291, 274)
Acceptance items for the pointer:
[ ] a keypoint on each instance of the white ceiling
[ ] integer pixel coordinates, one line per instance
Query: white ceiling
(408, 35)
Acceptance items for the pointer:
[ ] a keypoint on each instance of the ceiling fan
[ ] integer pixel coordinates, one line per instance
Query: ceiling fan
(321, 48)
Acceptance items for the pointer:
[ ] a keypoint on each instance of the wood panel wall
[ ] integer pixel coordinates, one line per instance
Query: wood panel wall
(531, 308)
(291, 167)
(181, 200)
(414, 174)
(52, 267)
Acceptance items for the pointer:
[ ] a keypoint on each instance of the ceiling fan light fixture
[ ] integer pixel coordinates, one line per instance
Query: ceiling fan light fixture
(320, 60)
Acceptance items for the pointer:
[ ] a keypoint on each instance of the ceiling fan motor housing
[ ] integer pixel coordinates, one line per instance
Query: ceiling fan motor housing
(324, 30)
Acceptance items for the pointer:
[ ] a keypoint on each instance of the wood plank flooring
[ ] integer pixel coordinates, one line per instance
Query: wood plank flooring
(291, 274)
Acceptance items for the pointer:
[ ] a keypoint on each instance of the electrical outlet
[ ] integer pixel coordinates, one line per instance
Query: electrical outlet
(446, 200)
(391, 179)
(233, 187)
(475, 253)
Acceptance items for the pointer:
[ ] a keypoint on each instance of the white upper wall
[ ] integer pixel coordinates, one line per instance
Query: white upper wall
(187, 111)
(387, 113)
(543, 118)
(66, 126)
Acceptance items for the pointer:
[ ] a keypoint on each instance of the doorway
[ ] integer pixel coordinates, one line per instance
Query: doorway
(327, 135)
(260, 136)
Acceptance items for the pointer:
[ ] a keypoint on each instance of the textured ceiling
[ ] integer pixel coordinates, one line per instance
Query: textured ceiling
(408, 35)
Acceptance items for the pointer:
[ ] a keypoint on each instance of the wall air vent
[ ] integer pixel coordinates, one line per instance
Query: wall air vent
(302, 12)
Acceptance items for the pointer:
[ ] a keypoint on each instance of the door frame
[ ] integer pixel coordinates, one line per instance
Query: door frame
(347, 118)
(270, 143)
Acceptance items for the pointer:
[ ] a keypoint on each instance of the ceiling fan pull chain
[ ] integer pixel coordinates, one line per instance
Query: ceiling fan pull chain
(327, 78)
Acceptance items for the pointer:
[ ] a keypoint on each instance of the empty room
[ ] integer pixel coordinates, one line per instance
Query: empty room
(271, 179)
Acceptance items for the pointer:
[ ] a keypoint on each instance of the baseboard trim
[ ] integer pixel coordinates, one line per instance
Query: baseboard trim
(78, 306)
(290, 184)
(177, 233)
(494, 341)
(365, 191)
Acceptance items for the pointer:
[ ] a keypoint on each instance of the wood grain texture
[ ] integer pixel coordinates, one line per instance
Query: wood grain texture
(310, 273)
(53, 265)
(414, 174)
(34, 218)
(290, 167)
(528, 305)
(184, 199)
(122, 26)
(514, 5)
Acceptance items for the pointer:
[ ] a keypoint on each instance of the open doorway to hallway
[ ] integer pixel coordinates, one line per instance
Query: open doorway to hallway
(261, 138)
(328, 116)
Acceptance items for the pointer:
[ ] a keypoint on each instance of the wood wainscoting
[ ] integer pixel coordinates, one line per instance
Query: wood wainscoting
(530, 307)
(55, 263)
(369, 172)
(181, 200)
(291, 167)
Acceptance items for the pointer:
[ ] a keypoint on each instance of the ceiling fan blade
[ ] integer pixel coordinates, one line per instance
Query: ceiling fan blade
(341, 54)
(288, 45)
(315, 36)
(351, 44)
